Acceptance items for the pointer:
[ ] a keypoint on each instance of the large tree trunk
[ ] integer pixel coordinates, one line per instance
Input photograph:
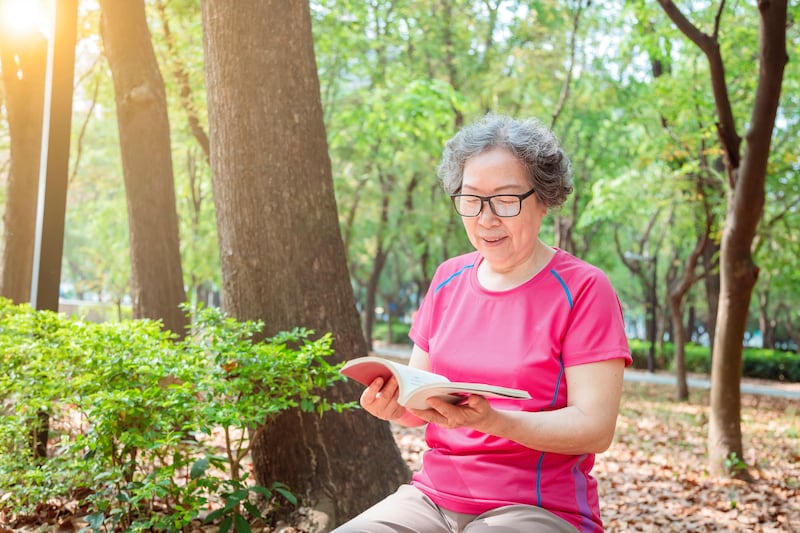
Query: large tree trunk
(156, 274)
(23, 65)
(282, 254)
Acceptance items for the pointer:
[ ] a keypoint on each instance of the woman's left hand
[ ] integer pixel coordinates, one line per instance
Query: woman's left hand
(474, 413)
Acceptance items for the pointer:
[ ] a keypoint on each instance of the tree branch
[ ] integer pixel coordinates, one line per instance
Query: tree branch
(726, 126)
(573, 38)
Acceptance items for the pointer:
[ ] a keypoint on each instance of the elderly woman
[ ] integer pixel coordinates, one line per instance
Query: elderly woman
(518, 313)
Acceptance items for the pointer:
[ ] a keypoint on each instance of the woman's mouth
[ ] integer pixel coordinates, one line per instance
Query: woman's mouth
(490, 241)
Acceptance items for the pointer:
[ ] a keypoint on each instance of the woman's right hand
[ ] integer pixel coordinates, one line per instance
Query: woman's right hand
(380, 399)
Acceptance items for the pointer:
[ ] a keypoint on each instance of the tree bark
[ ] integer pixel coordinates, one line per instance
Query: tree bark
(156, 275)
(23, 66)
(282, 255)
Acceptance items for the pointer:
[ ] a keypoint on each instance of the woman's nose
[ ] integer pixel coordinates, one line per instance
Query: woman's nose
(487, 217)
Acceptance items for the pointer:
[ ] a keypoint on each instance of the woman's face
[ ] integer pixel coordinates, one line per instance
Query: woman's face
(506, 243)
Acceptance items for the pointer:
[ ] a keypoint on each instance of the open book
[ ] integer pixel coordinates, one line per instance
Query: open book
(415, 385)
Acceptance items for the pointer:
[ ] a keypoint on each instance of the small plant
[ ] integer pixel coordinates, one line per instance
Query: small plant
(240, 498)
(735, 465)
(734, 502)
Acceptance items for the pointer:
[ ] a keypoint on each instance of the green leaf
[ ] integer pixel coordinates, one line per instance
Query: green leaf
(199, 468)
(225, 525)
(252, 509)
(212, 516)
(264, 491)
(291, 498)
(241, 524)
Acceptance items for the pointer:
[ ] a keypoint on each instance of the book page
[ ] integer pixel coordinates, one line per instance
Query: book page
(413, 378)
(366, 369)
(455, 393)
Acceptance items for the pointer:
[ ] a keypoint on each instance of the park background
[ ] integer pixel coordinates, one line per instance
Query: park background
(183, 118)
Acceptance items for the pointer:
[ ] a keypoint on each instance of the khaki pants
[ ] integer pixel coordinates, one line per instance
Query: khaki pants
(409, 511)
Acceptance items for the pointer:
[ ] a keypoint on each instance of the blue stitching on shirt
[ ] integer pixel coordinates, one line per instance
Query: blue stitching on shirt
(558, 381)
(564, 286)
(445, 282)
(539, 480)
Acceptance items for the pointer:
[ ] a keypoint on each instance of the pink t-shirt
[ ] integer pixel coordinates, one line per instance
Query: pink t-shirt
(568, 314)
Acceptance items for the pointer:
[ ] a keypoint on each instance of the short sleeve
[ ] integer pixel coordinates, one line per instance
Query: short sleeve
(596, 328)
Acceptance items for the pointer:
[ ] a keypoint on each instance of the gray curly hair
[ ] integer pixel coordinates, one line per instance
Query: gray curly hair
(529, 140)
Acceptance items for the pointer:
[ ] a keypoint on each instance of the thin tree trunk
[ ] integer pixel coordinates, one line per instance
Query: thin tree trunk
(679, 340)
(156, 274)
(711, 281)
(765, 323)
(282, 256)
(746, 177)
(378, 264)
(23, 65)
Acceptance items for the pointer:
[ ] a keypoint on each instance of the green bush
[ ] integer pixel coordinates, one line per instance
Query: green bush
(756, 362)
(771, 364)
(131, 412)
(399, 332)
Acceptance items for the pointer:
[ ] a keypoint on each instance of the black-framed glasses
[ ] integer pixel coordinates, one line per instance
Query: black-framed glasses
(502, 205)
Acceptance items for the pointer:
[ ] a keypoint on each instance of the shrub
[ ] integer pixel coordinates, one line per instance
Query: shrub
(756, 362)
(131, 411)
(399, 331)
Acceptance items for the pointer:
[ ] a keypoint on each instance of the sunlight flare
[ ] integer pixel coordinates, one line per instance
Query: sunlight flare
(20, 18)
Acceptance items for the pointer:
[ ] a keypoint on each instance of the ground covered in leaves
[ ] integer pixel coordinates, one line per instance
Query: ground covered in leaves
(654, 478)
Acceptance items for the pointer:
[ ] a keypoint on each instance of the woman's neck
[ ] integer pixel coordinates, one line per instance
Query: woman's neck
(496, 280)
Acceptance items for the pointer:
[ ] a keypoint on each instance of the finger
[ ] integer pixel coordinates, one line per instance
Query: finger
(371, 392)
(389, 389)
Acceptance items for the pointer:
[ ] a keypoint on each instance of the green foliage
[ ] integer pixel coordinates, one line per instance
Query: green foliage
(133, 411)
(399, 331)
(756, 362)
(771, 364)
(734, 466)
(396, 82)
(239, 497)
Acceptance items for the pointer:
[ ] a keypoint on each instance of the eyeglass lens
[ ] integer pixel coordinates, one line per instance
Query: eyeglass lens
(503, 206)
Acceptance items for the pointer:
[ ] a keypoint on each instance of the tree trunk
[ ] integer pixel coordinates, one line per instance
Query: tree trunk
(738, 276)
(711, 281)
(371, 301)
(679, 340)
(23, 66)
(766, 324)
(156, 274)
(738, 273)
(746, 177)
(282, 255)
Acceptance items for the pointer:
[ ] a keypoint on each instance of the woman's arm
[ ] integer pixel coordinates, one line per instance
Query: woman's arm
(585, 425)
